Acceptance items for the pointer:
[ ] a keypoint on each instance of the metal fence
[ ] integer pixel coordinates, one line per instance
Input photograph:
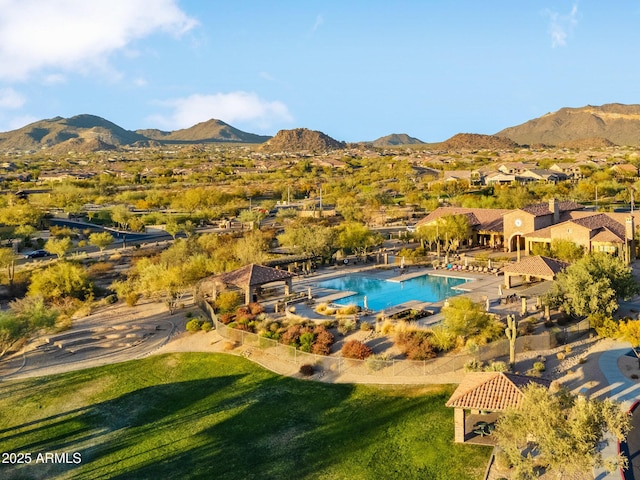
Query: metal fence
(377, 367)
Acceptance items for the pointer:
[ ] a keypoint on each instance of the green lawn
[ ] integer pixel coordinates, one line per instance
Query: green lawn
(218, 416)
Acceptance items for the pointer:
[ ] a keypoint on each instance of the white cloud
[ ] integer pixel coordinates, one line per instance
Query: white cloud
(9, 98)
(54, 79)
(561, 26)
(318, 23)
(77, 34)
(230, 107)
(140, 82)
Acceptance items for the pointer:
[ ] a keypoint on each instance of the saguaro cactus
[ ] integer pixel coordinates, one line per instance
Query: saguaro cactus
(512, 332)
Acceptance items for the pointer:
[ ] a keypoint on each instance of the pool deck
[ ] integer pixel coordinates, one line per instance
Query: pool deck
(480, 288)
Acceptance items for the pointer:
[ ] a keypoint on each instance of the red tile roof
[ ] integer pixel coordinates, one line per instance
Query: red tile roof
(536, 266)
(252, 275)
(486, 219)
(493, 391)
(541, 209)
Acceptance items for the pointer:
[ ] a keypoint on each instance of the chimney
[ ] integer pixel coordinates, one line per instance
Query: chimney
(555, 209)
(629, 228)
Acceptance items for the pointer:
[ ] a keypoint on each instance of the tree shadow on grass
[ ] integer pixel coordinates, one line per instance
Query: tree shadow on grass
(106, 434)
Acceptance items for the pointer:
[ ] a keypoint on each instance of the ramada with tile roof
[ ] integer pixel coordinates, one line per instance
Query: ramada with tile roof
(539, 267)
(488, 392)
(249, 278)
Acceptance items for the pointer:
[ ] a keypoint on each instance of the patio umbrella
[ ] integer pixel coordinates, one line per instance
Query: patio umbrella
(365, 303)
(402, 262)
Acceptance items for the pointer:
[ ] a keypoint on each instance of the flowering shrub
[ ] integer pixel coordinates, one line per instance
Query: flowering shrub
(356, 349)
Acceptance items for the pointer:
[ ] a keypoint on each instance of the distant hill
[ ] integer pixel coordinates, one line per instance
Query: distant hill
(395, 139)
(88, 133)
(615, 123)
(474, 141)
(210, 131)
(302, 139)
(54, 131)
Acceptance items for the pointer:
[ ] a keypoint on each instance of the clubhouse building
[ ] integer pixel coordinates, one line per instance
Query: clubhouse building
(519, 230)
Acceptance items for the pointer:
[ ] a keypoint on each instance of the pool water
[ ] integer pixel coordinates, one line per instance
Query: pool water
(383, 294)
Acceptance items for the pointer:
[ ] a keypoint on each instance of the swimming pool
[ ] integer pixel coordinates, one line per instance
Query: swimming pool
(383, 294)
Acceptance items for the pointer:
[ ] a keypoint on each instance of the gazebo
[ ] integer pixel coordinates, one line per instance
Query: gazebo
(484, 394)
(543, 268)
(249, 278)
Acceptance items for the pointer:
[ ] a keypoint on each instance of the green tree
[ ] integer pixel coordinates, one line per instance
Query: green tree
(62, 279)
(101, 240)
(309, 239)
(630, 332)
(562, 433)
(593, 286)
(467, 320)
(357, 238)
(251, 248)
(58, 247)
(448, 231)
(121, 216)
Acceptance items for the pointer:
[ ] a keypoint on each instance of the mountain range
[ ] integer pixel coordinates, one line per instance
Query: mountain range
(590, 126)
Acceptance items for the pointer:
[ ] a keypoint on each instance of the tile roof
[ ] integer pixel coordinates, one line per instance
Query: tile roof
(540, 209)
(493, 391)
(252, 275)
(607, 236)
(536, 266)
(600, 220)
(486, 219)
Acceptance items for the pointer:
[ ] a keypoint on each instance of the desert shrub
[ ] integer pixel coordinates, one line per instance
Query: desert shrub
(526, 327)
(306, 341)
(307, 370)
(496, 367)
(502, 460)
(243, 310)
(323, 341)
(348, 310)
(329, 324)
(230, 345)
(473, 366)
(226, 318)
(356, 349)
(346, 325)
(442, 339)
(99, 269)
(111, 299)
(227, 301)
(255, 308)
(387, 327)
(188, 314)
(206, 326)
(365, 326)
(415, 344)
(560, 355)
(321, 308)
(608, 328)
(567, 349)
(539, 366)
(378, 362)
(131, 298)
(194, 325)
(330, 311)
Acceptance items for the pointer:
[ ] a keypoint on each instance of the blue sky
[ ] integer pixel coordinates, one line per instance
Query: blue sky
(356, 70)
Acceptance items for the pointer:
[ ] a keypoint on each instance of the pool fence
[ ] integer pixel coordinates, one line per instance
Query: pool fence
(375, 366)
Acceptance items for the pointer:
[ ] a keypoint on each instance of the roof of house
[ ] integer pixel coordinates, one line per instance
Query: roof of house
(607, 236)
(493, 391)
(541, 209)
(252, 275)
(536, 266)
(486, 219)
